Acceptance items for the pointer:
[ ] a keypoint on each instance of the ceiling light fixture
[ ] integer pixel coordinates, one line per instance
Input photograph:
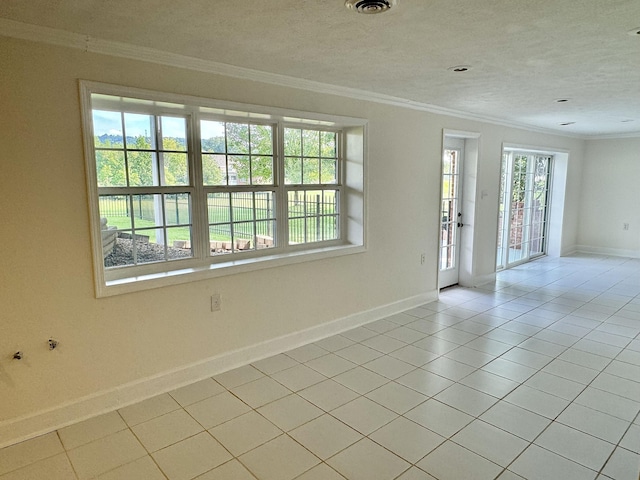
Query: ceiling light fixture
(567, 123)
(460, 68)
(634, 32)
(562, 100)
(370, 6)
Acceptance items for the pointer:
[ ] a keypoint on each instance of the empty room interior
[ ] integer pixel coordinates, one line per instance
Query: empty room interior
(320, 240)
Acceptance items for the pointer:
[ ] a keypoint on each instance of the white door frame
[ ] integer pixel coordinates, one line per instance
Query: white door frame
(450, 276)
(466, 260)
(552, 234)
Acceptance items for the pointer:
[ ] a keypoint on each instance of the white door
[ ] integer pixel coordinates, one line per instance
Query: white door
(451, 212)
(522, 231)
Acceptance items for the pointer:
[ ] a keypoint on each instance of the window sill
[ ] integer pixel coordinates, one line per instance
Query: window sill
(194, 274)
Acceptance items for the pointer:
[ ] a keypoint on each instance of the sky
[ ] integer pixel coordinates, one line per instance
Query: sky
(110, 123)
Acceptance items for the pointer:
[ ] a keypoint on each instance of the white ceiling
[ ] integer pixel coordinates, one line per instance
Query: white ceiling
(524, 54)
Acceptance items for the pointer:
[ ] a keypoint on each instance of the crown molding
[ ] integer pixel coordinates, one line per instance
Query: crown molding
(613, 136)
(87, 43)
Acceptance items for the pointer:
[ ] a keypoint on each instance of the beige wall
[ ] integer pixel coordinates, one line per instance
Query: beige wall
(46, 284)
(611, 197)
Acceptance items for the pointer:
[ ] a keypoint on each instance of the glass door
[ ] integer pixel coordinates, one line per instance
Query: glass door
(524, 197)
(451, 213)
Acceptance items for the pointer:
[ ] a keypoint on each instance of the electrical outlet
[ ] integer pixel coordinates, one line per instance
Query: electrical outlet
(625, 226)
(216, 302)
(423, 258)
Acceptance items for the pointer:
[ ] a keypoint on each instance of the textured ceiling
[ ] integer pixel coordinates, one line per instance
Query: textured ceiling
(524, 54)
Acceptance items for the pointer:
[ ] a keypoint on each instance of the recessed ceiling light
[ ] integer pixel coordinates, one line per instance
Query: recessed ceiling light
(562, 100)
(460, 68)
(567, 123)
(626, 121)
(634, 32)
(370, 6)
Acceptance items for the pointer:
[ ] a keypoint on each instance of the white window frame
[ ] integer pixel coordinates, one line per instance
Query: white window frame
(351, 184)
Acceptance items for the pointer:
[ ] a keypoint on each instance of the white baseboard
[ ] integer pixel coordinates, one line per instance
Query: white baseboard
(23, 428)
(570, 250)
(615, 252)
(482, 279)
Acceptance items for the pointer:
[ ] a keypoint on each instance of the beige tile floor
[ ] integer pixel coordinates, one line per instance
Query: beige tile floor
(536, 376)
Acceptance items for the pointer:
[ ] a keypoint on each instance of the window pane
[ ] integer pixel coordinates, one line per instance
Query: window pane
(220, 239)
(328, 171)
(311, 171)
(328, 144)
(310, 143)
(329, 227)
(450, 185)
(297, 231)
(446, 162)
(444, 258)
(107, 129)
(261, 140)
(242, 235)
(242, 204)
(516, 253)
(150, 246)
(265, 234)
(262, 171)
(147, 211)
(120, 249)
(174, 133)
(292, 142)
(293, 171)
(330, 203)
(140, 131)
(265, 205)
(212, 136)
(115, 211)
(219, 208)
(239, 170)
(179, 243)
(111, 170)
(214, 169)
(237, 138)
(176, 169)
(177, 209)
(143, 170)
(313, 216)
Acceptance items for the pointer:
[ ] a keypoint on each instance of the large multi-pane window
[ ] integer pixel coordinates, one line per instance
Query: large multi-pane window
(179, 186)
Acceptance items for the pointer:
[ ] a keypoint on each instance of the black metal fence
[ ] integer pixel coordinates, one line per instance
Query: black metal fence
(312, 216)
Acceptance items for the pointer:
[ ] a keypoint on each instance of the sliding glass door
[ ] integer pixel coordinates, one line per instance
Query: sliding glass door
(524, 198)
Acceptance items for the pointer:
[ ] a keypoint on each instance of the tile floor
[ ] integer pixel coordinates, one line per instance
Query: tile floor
(536, 376)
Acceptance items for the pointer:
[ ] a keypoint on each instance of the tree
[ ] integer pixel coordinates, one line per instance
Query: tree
(176, 165)
(110, 165)
(140, 163)
(310, 156)
(250, 149)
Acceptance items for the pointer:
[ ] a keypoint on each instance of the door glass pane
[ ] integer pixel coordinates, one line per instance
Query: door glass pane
(502, 211)
(450, 209)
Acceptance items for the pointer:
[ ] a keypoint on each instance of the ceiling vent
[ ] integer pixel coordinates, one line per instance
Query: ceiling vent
(370, 6)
